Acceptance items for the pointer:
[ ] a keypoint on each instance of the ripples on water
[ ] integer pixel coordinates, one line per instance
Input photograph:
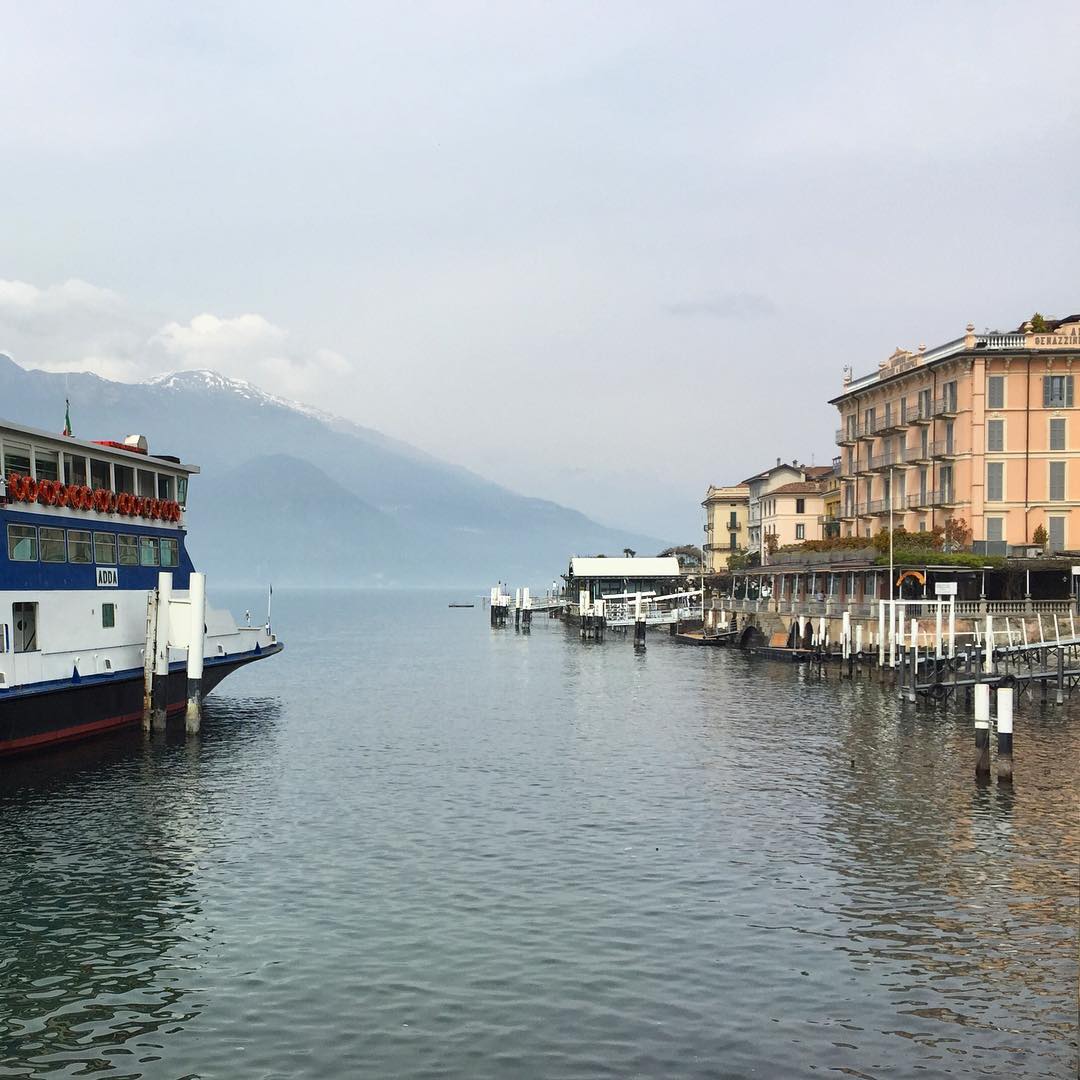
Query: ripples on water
(410, 846)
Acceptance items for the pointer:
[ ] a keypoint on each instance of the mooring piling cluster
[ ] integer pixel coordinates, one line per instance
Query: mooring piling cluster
(180, 623)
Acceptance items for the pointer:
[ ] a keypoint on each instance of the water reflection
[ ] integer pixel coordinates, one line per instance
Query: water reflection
(964, 893)
(101, 938)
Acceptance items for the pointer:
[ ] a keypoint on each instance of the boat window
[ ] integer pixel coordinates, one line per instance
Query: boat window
(128, 549)
(22, 543)
(104, 548)
(125, 478)
(75, 469)
(169, 552)
(99, 474)
(46, 464)
(24, 620)
(165, 486)
(53, 548)
(108, 616)
(181, 491)
(146, 484)
(16, 458)
(148, 550)
(79, 546)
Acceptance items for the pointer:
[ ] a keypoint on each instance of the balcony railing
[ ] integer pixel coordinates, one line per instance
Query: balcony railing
(946, 406)
(835, 606)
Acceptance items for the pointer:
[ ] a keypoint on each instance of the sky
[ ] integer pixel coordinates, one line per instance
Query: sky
(602, 253)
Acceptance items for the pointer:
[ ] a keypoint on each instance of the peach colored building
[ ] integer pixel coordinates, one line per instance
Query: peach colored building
(984, 428)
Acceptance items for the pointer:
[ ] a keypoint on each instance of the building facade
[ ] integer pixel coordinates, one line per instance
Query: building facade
(727, 512)
(779, 501)
(983, 429)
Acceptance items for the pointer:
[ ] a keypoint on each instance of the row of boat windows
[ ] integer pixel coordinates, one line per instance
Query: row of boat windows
(29, 543)
(84, 471)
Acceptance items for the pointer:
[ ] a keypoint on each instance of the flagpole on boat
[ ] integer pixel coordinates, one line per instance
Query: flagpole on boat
(269, 605)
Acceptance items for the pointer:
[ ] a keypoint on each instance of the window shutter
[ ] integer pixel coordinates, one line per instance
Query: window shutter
(1068, 391)
(1046, 391)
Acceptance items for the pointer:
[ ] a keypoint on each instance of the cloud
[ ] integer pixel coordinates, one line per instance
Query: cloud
(29, 306)
(251, 347)
(76, 326)
(725, 306)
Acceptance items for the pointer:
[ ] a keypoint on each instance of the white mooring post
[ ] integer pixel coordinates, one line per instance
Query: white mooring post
(858, 639)
(881, 634)
(982, 730)
(161, 653)
(1005, 734)
(149, 654)
(938, 630)
(196, 645)
(988, 654)
(952, 628)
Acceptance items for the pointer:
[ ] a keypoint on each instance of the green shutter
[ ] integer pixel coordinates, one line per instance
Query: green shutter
(1046, 391)
(1068, 391)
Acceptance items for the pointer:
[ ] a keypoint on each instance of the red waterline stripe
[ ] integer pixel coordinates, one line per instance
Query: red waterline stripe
(82, 731)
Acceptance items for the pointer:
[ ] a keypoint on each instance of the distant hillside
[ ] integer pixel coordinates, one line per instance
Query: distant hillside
(298, 496)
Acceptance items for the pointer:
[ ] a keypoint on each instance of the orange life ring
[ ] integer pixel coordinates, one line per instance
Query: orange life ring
(71, 495)
(46, 493)
(30, 489)
(86, 498)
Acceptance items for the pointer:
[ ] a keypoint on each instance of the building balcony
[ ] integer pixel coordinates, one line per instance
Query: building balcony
(867, 431)
(893, 421)
(943, 448)
(883, 506)
(890, 460)
(946, 406)
(919, 414)
(924, 499)
(918, 456)
(846, 436)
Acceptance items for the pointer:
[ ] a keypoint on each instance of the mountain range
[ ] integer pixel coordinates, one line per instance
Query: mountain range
(295, 496)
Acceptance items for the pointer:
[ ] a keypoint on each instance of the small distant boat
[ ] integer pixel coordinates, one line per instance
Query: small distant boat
(461, 605)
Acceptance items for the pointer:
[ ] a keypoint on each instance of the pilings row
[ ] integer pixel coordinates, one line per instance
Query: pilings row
(163, 630)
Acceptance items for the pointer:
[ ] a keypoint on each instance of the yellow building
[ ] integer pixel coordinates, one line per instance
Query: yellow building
(727, 511)
(983, 428)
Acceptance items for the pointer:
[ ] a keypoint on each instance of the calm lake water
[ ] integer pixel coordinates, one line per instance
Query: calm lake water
(412, 846)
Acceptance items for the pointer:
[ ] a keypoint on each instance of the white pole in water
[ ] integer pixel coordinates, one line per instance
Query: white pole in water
(952, 627)
(858, 639)
(1005, 733)
(937, 630)
(845, 634)
(196, 646)
(988, 646)
(982, 729)
(881, 634)
(161, 652)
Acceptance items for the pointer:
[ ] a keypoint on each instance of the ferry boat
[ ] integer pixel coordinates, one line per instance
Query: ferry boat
(87, 528)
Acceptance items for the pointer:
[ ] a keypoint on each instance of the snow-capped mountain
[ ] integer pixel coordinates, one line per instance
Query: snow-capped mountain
(295, 495)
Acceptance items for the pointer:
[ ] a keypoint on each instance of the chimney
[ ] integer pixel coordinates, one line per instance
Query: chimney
(778, 463)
